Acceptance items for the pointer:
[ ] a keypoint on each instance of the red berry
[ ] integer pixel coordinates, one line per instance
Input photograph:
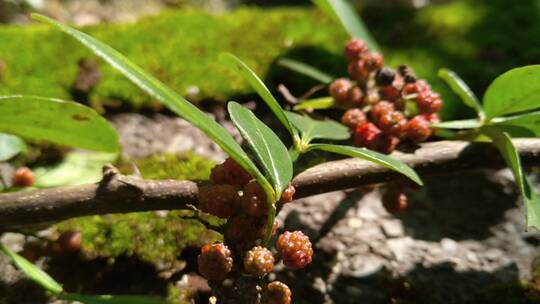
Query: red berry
(217, 175)
(381, 108)
(245, 230)
(23, 177)
(339, 90)
(394, 200)
(366, 134)
(351, 118)
(358, 70)
(254, 199)
(432, 118)
(295, 249)
(70, 241)
(373, 61)
(259, 261)
(215, 262)
(385, 144)
(234, 174)
(277, 293)
(354, 49)
(356, 96)
(288, 195)
(428, 102)
(392, 123)
(418, 129)
(219, 200)
(411, 88)
(390, 93)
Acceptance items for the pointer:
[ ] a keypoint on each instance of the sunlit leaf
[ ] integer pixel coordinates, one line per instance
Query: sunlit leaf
(268, 148)
(505, 146)
(57, 121)
(316, 104)
(347, 16)
(529, 121)
(458, 124)
(305, 69)
(258, 85)
(155, 88)
(514, 91)
(77, 168)
(311, 129)
(10, 145)
(462, 90)
(372, 156)
(32, 271)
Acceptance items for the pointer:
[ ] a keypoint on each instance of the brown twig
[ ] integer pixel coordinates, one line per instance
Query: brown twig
(122, 194)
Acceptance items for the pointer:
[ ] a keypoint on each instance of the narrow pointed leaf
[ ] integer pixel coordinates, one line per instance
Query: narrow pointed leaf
(57, 121)
(458, 124)
(529, 121)
(112, 299)
(258, 85)
(32, 271)
(347, 16)
(268, 148)
(316, 104)
(462, 90)
(514, 91)
(305, 69)
(10, 145)
(372, 156)
(505, 146)
(318, 129)
(155, 88)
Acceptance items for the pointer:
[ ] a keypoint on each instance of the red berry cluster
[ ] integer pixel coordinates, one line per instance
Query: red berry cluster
(235, 195)
(376, 100)
(23, 177)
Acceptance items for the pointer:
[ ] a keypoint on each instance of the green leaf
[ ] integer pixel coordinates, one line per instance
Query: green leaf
(346, 15)
(318, 129)
(10, 145)
(316, 104)
(33, 272)
(268, 148)
(112, 299)
(462, 90)
(505, 146)
(529, 121)
(77, 168)
(514, 91)
(458, 124)
(256, 83)
(372, 156)
(155, 88)
(61, 122)
(305, 69)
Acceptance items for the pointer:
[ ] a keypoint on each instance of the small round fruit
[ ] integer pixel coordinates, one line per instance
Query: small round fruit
(288, 195)
(373, 61)
(418, 129)
(215, 262)
(366, 134)
(354, 49)
(339, 90)
(23, 177)
(394, 200)
(254, 199)
(217, 175)
(295, 249)
(277, 293)
(219, 200)
(381, 108)
(259, 261)
(70, 241)
(234, 174)
(353, 117)
(385, 77)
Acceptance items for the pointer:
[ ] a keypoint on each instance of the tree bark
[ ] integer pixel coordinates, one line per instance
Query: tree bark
(123, 194)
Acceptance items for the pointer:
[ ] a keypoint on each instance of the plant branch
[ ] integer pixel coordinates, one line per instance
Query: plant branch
(122, 194)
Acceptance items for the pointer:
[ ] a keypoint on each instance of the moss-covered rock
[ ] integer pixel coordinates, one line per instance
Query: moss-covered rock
(478, 39)
(151, 236)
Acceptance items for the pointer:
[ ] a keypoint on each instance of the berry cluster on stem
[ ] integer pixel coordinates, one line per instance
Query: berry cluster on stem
(384, 106)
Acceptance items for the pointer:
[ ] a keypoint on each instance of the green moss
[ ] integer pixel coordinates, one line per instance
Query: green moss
(479, 39)
(150, 236)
